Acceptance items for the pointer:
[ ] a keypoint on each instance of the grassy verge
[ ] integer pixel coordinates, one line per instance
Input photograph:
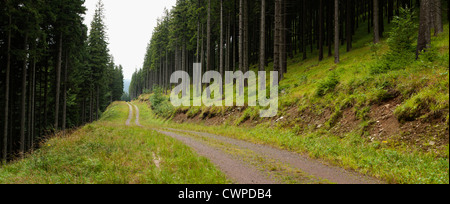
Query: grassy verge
(315, 98)
(109, 152)
(351, 151)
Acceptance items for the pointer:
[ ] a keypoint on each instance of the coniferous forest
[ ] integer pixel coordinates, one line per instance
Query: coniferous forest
(234, 35)
(54, 76)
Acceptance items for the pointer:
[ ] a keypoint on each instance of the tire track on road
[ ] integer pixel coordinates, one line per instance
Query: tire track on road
(130, 115)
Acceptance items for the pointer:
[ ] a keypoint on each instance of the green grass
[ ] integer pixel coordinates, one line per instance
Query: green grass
(352, 151)
(108, 152)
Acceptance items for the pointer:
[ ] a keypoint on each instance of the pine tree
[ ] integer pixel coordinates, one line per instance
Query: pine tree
(336, 31)
(424, 38)
(99, 58)
(376, 24)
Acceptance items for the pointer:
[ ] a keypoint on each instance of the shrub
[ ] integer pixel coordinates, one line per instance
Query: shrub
(160, 104)
(402, 36)
(327, 85)
(400, 42)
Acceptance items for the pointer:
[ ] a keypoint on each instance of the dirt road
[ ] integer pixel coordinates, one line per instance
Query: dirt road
(247, 163)
(130, 115)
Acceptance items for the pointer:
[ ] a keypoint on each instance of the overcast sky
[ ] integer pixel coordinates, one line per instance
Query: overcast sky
(130, 25)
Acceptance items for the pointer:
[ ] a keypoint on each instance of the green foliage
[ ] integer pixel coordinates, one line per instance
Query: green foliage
(403, 33)
(327, 85)
(125, 97)
(249, 114)
(400, 42)
(427, 104)
(160, 103)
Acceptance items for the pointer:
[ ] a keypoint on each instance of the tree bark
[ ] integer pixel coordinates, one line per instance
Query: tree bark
(66, 69)
(262, 44)
(241, 35)
(376, 24)
(24, 98)
(424, 39)
(32, 101)
(229, 46)
(348, 25)
(246, 42)
(336, 31)
(321, 30)
(438, 17)
(303, 29)
(330, 27)
(221, 65)
(283, 45)
(58, 81)
(208, 44)
(208, 39)
(277, 38)
(8, 70)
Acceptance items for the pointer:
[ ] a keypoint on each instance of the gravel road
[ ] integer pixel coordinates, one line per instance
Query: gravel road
(248, 163)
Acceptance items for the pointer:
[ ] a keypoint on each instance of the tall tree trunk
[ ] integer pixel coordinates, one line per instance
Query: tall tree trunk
(246, 42)
(424, 38)
(183, 66)
(208, 43)
(262, 44)
(376, 24)
(202, 50)
(321, 30)
(91, 104)
(97, 111)
(64, 119)
(336, 31)
(221, 65)
(83, 111)
(208, 39)
(229, 46)
(303, 29)
(277, 38)
(330, 27)
(32, 101)
(8, 70)
(283, 45)
(198, 35)
(438, 28)
(24, 98)
(58, 81)
(349, 25)
(390, 10)
(241, 35)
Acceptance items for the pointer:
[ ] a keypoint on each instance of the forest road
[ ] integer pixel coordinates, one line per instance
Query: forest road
(248, 163)
(130, 115)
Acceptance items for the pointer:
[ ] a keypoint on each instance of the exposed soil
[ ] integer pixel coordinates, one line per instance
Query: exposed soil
(383, 125)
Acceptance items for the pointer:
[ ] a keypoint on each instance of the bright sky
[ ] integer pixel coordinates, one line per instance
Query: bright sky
(130, 25)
